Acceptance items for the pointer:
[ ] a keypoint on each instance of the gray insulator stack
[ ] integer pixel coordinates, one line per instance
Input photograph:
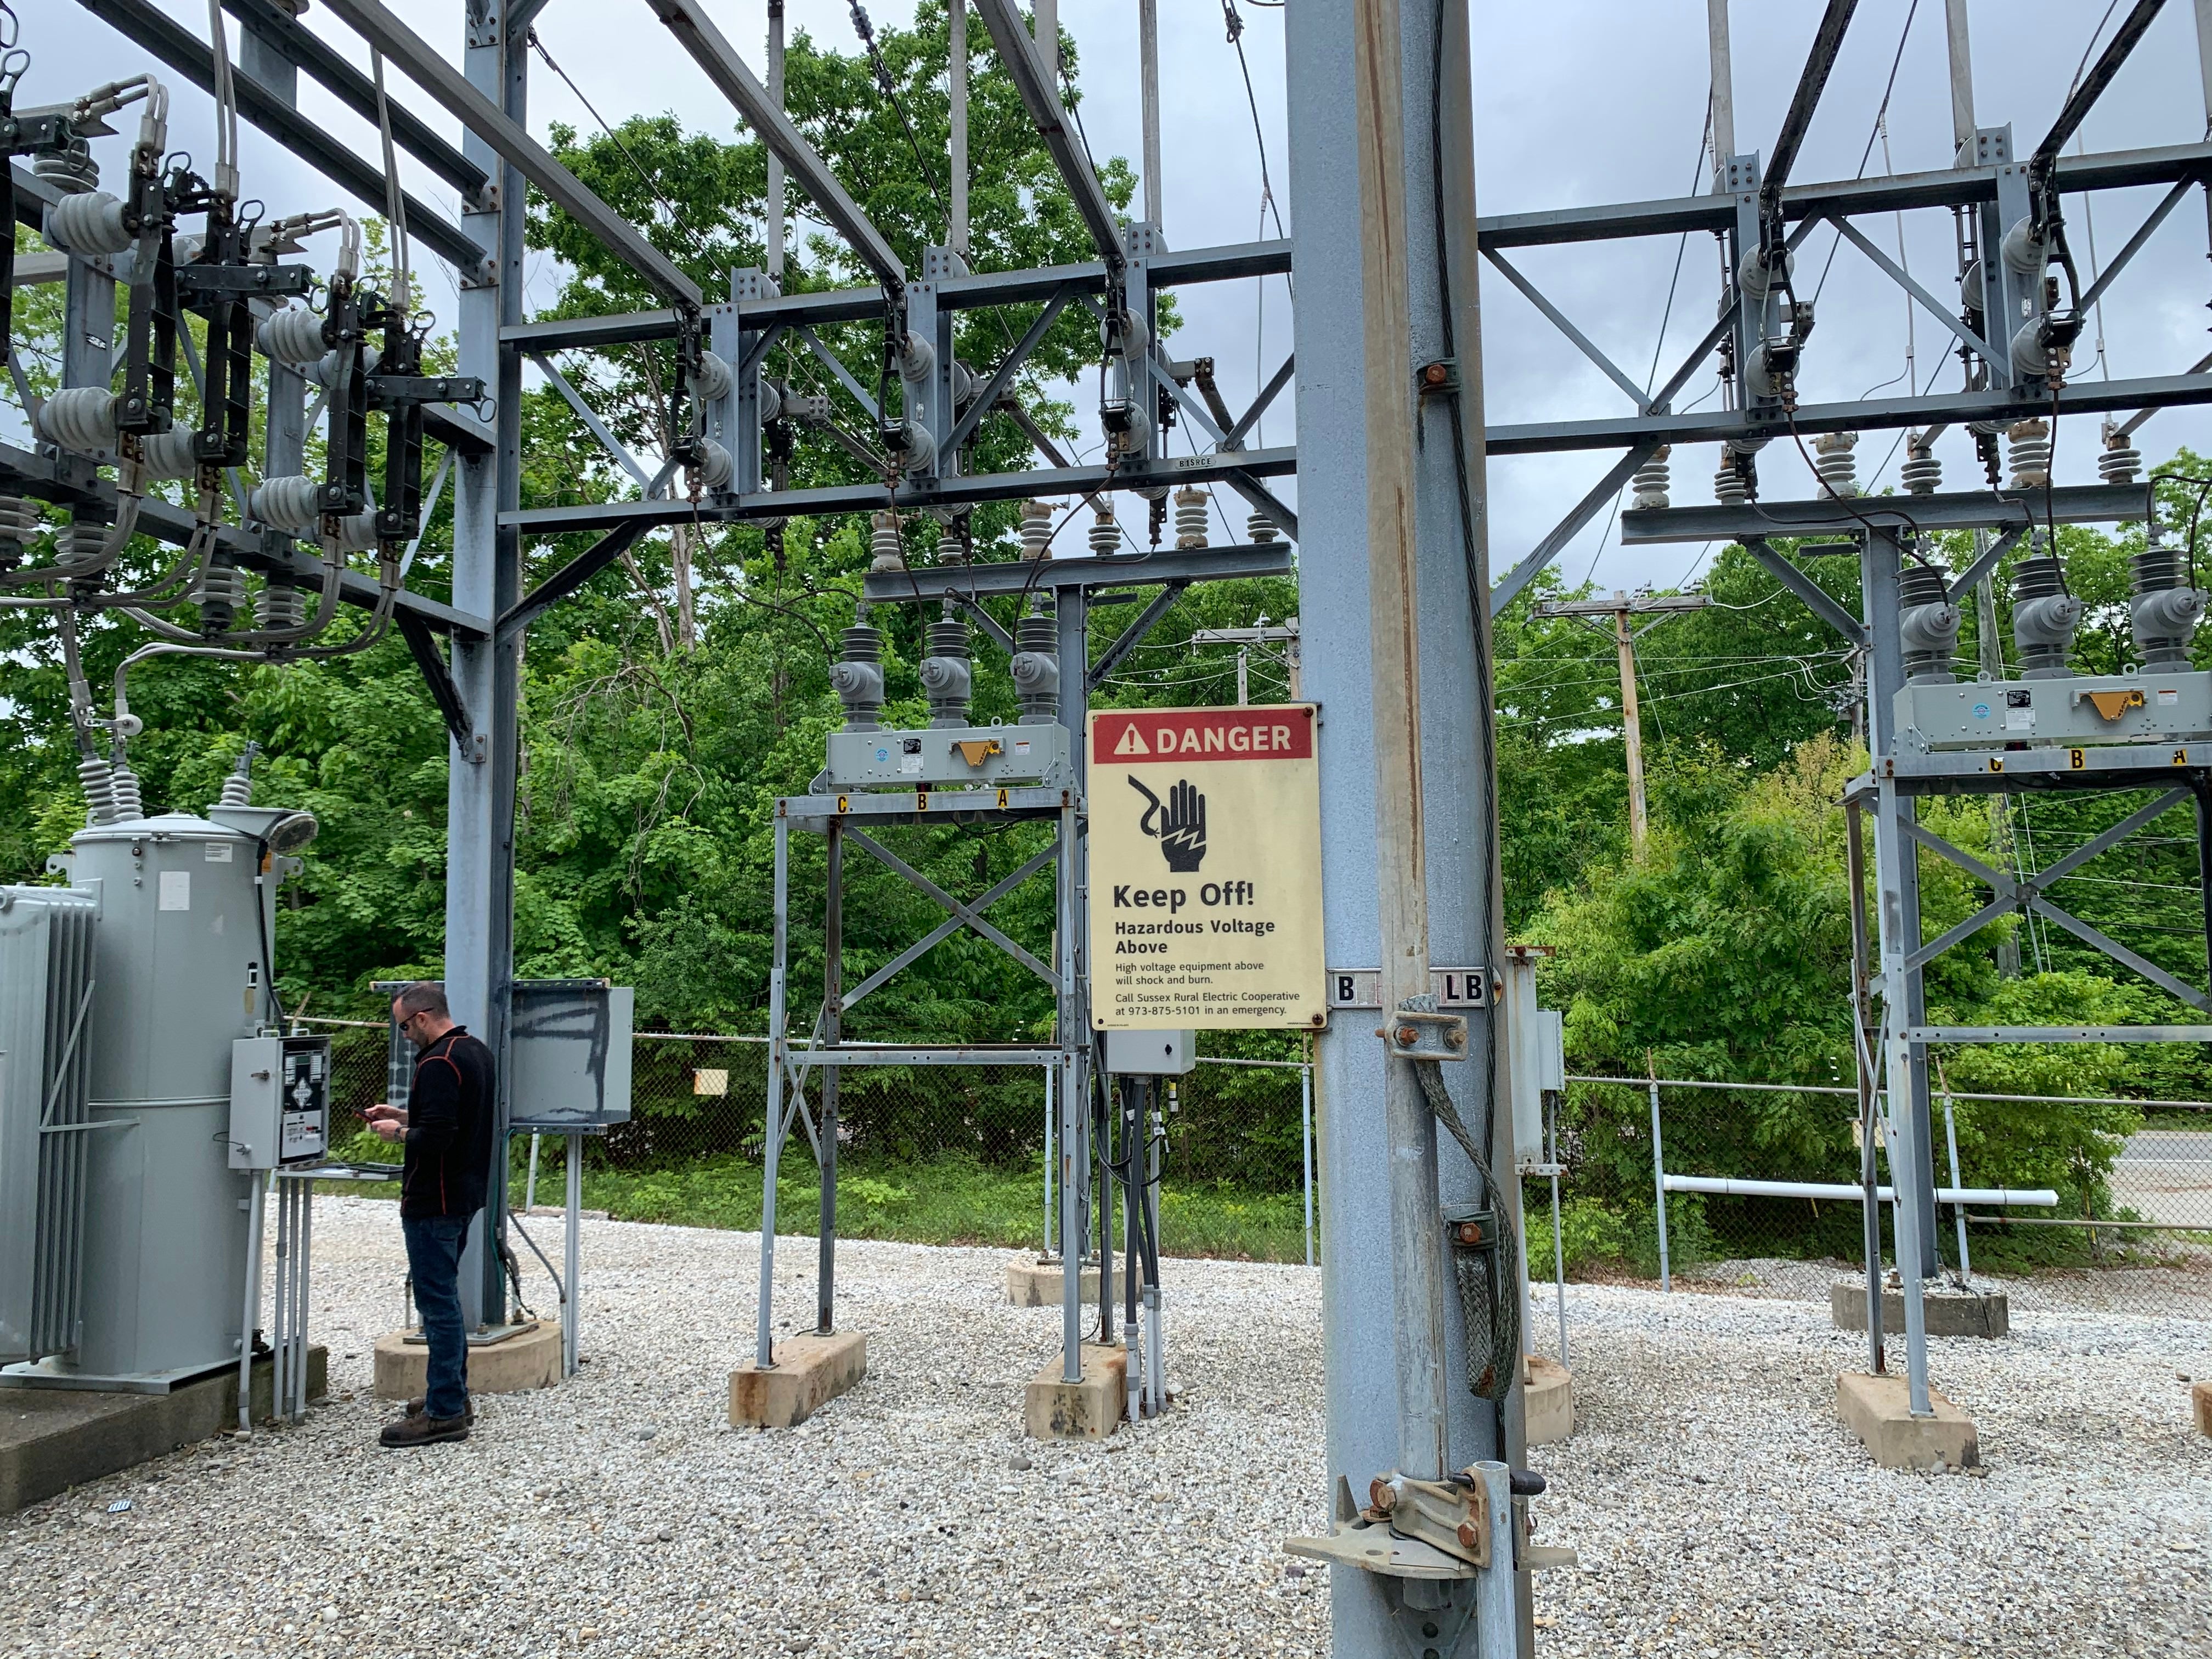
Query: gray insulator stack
(716, 467)
(238, 786)
(1035, 670)
(2164, 610)
(123, 782)
(1260, 529)
(1036, 529)
(98, 783)
(2119, 462)
(2044, 617)
(947, 676)
(20, 520)
(1105, 534)
(293, 337)
(79, 418)
(1190, 506)
(169, 454)
(857, 676)
(2027, 445)
(1834, 460)
(713, 379)
(70, 170)
(1927, 624)
(77, 546)
(219, 593)
(288, 503)
(90, 221)
(1922, 472)
(279, 605)
(1647, 488)
(883, 543)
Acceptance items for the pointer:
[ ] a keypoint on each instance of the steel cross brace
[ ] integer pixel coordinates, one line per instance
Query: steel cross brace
(590, 417)
(1267, 395)
(1817, 598)
(1561, 320)
(1896, 273)
(2025, 893)
(1134, 634)
(970, 915)
(1003, 377)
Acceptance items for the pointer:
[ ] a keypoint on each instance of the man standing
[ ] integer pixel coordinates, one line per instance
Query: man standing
(447, 1127)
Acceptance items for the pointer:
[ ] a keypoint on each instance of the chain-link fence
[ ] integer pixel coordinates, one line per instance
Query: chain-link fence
(950, 1152)
(2131, 1231)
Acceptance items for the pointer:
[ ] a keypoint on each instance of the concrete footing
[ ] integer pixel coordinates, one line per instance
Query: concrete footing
(51, 1439)
(1547, 1396)
(1948, 1310)
(1032, 1284)
(1091, 1409)
(529, 1360)
(809, 1371)
(1878, 1410)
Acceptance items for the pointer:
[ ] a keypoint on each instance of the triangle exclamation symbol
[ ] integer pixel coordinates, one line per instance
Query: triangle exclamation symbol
(1132, 741)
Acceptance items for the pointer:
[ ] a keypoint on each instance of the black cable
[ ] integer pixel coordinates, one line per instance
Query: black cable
(1236, 26)
(866, 31)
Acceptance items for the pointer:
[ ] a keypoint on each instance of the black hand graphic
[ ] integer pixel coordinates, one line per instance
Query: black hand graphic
(1181, 834)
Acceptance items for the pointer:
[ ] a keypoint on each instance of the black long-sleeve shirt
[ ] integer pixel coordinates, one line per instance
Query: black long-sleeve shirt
(449, 1129)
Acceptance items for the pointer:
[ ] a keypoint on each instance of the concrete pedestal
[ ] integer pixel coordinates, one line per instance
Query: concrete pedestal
(528, 1359)
(1033, 1283)
(809, 1371)
(1878, 1410)
(1054, 1409)
(2200, 1398)
(1549, 1399)
(1948, 1310)
(51, 1439)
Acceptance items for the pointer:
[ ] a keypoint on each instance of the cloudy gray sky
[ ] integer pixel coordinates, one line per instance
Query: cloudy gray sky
(1578, 102)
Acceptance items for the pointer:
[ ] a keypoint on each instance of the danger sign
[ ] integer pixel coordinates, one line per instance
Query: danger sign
(1204, 869)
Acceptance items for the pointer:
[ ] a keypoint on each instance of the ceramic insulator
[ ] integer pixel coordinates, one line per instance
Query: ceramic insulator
(1647, 488)
(1105, 534)
(1190, 506)
(1036, 528)
(1259, 529)
(79, 418)
(883, 543)
(2027, 445)
(1833, 460)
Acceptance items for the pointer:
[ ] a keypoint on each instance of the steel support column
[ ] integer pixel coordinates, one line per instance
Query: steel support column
(488, 579)
(1371, 1333)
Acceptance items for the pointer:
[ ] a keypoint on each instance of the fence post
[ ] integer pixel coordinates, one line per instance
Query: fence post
(529, 1188)
(1559, 1240)
(1305, 1134)
(1050, 1073)
(1659, 1184)
(572, 1253)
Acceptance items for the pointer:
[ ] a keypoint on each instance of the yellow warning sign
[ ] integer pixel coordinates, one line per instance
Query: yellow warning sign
(1204, 869)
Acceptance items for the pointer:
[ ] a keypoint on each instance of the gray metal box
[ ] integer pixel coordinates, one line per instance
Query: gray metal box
(2073, 711)
(280, 1101)
(570, 1054)
(936, 756)
(1151, 1053)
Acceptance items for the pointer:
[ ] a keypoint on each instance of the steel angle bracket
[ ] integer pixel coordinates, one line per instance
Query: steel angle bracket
(1422, 1033)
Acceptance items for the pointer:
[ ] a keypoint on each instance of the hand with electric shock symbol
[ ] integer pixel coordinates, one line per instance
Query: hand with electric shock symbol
(1181, 829)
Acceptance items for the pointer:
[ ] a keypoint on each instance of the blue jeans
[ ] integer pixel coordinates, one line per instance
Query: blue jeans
(433, 1258)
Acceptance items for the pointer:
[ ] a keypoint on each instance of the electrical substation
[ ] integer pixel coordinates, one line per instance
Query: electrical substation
(156, 1103)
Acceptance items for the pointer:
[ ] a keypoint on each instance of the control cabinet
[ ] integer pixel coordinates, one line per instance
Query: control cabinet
(938, 756)
(280, 1101)
(2068, 712)
(1151, 1053)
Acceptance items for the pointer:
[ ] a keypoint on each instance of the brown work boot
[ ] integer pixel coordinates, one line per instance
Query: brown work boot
(421, 1429)
(415, 1409)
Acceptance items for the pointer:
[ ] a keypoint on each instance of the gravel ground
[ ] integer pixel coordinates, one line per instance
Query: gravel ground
(911, 1517)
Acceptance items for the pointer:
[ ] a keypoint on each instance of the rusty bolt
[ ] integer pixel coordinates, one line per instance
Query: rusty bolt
(1467, 1537)
(1456, 1036)
(1407, 1036)
(1381, 1495)
(1468, 1232)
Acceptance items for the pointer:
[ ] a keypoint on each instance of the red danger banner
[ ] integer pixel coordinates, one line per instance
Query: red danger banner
(1188, 735)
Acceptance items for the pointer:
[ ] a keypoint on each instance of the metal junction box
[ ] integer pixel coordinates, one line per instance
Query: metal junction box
(280, 1101)
(570, 1052)
(950, 756)
(1151, 1053)
(2068, 713)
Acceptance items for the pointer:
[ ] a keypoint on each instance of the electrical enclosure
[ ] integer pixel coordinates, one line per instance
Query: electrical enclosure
(1151, 1053)
(280, 1101)
(2073, 711)
(935, 755)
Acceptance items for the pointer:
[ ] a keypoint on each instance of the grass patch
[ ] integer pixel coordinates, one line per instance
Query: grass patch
(946, 1200)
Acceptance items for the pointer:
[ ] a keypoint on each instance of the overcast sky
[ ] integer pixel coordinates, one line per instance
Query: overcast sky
(1578, 102)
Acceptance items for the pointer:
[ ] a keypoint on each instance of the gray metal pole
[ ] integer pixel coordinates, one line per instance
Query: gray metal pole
(257, 1186)
(1863, 1063)
(1958, 1211)
(775, 195)
(530, 1186)
(1305, 1137)
(1148, 69)
(1558, 1242)
(1074, 1084)
(956, 235)
(1659, 1184)
(779, 1052)
(487, 580)
(1908, 1153)
(825, 1284)
(1050, 1108)
(1364, 116)
(572, 1254)
(1897, 875)
(1047, 35)
(2204, 56)
(1723, 86)
(1990, 653)
(1962, 74)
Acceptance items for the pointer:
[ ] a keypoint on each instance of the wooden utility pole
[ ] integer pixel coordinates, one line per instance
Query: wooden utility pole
(1286, 633)
(1620, 607)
